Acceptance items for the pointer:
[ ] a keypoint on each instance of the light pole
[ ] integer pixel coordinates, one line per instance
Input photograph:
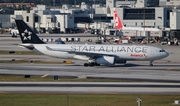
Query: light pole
(1, 22)
(48, 27)
(39, 27)
(64, 22)
(144, 19)
(74, 3)
(94, 3)
(54, 3)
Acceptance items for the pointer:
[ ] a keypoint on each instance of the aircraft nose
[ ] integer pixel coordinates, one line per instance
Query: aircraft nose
(166, 54)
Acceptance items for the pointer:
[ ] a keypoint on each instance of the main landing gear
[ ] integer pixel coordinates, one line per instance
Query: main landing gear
(151, 64)
(91, 64)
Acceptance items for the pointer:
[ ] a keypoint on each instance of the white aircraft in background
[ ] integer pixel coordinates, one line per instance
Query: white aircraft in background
(95, 54)
(120, 26)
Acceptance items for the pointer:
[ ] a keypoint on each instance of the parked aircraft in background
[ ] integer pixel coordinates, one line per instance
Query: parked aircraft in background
(95, 54)
(119, 25)
(14, 32)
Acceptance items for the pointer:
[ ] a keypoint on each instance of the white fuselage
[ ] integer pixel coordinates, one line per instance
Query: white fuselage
(140, 29)
(84, 51)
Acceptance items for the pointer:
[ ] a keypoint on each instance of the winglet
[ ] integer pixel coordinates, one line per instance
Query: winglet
(118, 24)
(26, 33)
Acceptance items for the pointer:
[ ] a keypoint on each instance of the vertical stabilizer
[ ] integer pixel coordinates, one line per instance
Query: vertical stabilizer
(26, 33)
(118, 23)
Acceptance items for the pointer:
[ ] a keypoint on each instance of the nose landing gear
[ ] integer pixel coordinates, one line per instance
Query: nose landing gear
(151, 64)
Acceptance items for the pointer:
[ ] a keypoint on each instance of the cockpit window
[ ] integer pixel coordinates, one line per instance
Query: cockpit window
(162, 50)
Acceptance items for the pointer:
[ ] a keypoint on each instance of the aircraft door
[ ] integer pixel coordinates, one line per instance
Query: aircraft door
(151, 51)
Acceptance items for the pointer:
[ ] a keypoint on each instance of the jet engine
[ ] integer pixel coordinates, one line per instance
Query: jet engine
(106, 60)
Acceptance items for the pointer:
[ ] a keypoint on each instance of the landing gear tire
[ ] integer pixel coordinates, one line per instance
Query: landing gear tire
(86, 64)
(97, 64)
(91, 64)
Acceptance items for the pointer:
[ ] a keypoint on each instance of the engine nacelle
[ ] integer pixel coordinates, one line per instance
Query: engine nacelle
(106, 60)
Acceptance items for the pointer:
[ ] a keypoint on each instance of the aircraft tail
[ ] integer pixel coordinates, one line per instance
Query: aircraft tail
(26, 33)
(118, 24)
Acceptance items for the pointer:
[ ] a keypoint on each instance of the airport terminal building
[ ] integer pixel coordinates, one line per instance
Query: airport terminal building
(134, 13)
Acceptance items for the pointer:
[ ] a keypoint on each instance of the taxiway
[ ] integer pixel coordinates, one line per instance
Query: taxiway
(162, 78)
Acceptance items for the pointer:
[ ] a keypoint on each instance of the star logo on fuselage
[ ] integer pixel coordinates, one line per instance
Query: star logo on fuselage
(26, 35)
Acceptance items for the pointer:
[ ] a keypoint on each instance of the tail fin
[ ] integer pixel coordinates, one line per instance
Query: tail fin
(26, 33)
(118, 24)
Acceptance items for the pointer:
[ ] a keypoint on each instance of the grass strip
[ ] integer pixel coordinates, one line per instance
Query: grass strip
(18, 52)
(9, 99)
(21, 78)
(31, 61)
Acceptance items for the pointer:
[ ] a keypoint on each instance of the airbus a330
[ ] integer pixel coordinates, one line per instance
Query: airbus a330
(94, 54)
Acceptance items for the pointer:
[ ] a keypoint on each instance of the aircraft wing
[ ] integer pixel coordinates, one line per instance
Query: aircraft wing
(27, 45)
(89, 54)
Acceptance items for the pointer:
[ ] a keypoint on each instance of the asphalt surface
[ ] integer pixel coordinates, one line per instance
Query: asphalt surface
(90, 87)
(162, 78)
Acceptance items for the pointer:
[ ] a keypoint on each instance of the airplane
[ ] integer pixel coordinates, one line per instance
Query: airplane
(95, 54)
(120, 26)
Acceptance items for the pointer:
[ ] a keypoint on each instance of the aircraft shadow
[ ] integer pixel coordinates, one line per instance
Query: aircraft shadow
(123, 65)
(119, 65)
(165, 66)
